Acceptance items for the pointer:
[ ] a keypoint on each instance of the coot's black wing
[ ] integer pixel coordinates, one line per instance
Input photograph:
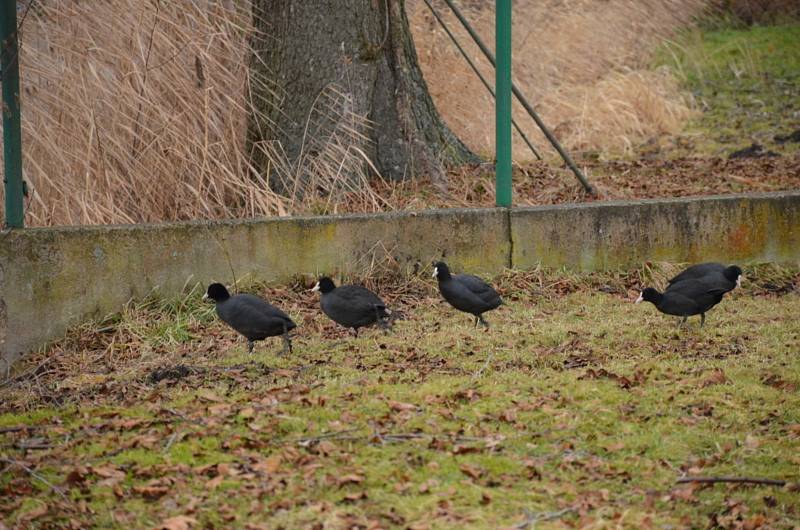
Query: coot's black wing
(697, 295)
(480, 288)
(265, 308)
(679, 304)
(253, 317)
(359, 296)
(698, 271)
(353, 306)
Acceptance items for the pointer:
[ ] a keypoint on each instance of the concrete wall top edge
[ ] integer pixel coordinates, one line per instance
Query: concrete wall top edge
(324, 219)
(251, 221)
(42, 268)
(789, 194)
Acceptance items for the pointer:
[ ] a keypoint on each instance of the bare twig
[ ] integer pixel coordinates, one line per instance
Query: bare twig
(377, 437)
(170, 441)
(338, 435)
(17, 428)
(183, 416)
(531, 518)
(36, 475)
(480, 371)
(32, 372)
(738, 480)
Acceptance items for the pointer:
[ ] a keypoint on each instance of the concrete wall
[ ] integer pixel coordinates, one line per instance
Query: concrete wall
(607, 235)
(51, 279)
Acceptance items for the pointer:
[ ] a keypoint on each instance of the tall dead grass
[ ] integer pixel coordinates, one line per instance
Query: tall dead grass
(136, 111)
(581, 63)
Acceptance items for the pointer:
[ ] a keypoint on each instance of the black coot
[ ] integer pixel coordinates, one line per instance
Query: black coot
(352, 306)
(251, 316)
(684, 299)
(715, 275)
(466, 292)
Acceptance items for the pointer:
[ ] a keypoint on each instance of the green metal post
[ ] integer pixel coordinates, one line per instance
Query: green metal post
(12, 129)
(503, 103)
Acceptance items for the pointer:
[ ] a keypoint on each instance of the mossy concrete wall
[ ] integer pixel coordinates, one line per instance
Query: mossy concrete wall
(51, 279)
(608, 235)
(54, 278)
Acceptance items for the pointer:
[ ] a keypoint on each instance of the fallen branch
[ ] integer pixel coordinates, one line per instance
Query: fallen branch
(181, 416)
(377, 437)
(531, 518)
(17, 428)
(24, 375)
(738, 480)
(36, 475)
(338, 435)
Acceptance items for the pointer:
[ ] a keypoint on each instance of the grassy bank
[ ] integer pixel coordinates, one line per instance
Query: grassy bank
(746, 83)
(577, 408)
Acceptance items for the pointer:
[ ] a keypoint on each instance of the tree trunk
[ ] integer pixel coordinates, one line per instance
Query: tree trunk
(345, 69)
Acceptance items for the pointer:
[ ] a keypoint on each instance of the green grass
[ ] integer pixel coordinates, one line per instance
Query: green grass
(580, 401)
(746, 82)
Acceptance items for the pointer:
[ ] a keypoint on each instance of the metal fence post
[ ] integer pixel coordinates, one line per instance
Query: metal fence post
(12, 128)
(503, 106)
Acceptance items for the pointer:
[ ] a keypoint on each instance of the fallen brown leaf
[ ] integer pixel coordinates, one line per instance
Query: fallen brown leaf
(352, 478)
(471, 471)
(269, 465)
(180, 522)
(716, 377)
(400, 407)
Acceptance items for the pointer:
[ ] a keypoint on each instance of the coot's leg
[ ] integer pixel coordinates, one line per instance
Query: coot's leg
(682, 322)
(250, 346)
(355, 330)
(287, 341)
(483, 321)
(702, 319)
(477, 319)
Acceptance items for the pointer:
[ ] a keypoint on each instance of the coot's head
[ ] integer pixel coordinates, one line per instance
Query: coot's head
(216, 292)
(734, 274)
(441, 271)
(649, 295)
(324, 285)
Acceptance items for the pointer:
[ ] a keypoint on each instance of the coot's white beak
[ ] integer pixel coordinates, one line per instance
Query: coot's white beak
(205, 297)
(641, 297)
(435, 272)
(739, 281)
(315, 288)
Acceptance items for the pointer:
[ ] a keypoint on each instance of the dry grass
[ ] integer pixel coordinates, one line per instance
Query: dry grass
(136, 112)
(582, 64)
(576, 403)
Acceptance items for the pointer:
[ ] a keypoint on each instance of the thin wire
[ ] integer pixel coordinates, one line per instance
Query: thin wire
(477, 72)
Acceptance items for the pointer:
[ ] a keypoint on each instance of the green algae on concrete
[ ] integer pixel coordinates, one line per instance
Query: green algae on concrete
(54, 278)
(51, 279)
(749, 228)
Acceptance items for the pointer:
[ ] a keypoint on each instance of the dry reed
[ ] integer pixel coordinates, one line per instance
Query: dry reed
(582, 64)
(136, 111)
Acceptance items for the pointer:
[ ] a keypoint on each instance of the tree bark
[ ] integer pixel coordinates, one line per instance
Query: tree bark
(317, 64)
